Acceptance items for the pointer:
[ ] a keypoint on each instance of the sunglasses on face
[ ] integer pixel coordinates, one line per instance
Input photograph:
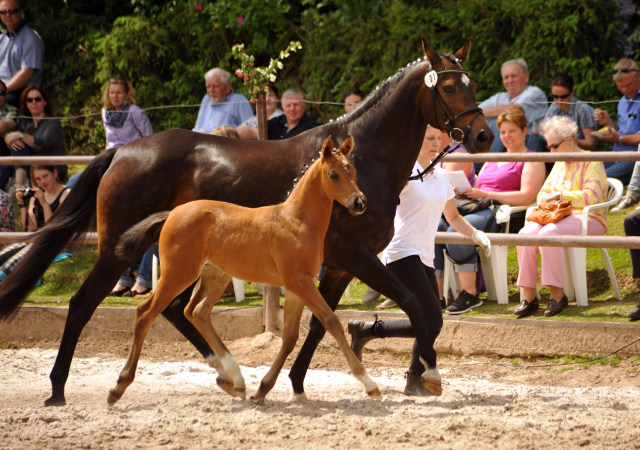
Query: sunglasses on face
(34, 99)
(561, 96)
(615, 71)
(554, 146)
(9, 12)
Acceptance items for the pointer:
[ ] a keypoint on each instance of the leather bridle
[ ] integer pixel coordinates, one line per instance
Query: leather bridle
(431, 80)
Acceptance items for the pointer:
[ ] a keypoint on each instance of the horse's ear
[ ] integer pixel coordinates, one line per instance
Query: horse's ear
(347, 146)
(463, 53)
(430, 53)
(327, 147)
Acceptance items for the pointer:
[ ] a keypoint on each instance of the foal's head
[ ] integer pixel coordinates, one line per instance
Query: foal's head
(339, 176)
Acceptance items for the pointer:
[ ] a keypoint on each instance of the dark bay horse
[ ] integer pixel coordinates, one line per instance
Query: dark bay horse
(168, 169)
(214, 241)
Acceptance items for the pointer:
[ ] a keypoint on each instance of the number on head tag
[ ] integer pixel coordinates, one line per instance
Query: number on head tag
(431, 79)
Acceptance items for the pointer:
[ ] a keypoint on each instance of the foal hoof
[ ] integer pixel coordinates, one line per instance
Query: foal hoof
(226, 385)
(298, 397)
(113, 398)
(375, 394)
(258, 400)
(431, 381)
(240, 393)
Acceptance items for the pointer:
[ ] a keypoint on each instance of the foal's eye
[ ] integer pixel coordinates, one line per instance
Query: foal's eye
(333, 175)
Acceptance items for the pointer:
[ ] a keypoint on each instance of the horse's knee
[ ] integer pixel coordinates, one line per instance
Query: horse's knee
(332, 323)
(411, 306)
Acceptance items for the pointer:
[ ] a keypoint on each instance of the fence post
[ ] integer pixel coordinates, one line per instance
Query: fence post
(271, 294)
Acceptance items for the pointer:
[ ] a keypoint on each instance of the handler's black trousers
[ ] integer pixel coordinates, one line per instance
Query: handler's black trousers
(632, 228)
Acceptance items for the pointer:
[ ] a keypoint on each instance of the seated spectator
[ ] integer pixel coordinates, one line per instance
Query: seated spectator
(294, 121)
(509, 183)
(632, 228)
(352, 99)
(36, 207)
(623, 134)
(21, 50)
(7, 214)
(7, 123)
(581, 183)
(221, 106)
(249, 129)
(531, 99)
(41, 135)
(565, 104)
(226, 131)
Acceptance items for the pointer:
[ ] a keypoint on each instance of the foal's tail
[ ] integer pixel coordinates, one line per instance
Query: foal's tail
(142, 235)
(68, 223)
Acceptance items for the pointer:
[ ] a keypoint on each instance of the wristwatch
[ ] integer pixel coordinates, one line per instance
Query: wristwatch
(21, 135)
(620, 141)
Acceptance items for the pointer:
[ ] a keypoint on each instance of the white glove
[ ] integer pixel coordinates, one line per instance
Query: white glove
(483, 241)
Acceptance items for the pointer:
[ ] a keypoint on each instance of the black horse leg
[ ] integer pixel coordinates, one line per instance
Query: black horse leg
(174, 313)
(332, 285)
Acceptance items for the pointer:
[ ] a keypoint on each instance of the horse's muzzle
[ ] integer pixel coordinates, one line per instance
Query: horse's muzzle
(481, 142)
(357, 204)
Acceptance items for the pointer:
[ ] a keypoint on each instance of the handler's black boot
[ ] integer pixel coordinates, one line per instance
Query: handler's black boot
(634, 314)
(361, 333)
(414, 386)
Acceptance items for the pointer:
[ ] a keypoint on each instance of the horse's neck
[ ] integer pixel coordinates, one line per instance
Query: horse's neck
(392, 131)
(308, 202)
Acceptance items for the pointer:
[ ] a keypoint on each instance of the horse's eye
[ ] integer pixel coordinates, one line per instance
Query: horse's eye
(447, 89)
(333, 175)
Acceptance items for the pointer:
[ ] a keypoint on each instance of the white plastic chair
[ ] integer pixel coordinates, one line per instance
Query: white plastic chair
(494, 269)
(575, 259)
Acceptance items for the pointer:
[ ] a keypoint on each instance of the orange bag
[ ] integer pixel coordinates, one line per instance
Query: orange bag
(550, 212)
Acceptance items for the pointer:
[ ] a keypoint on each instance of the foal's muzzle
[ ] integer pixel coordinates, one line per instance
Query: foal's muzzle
(357, 204)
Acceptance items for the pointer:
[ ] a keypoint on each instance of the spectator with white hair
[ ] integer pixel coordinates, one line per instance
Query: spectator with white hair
(294, 121)
(531, 99)
(221, 106)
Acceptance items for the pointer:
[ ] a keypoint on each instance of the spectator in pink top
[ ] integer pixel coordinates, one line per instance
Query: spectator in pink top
(509, 183)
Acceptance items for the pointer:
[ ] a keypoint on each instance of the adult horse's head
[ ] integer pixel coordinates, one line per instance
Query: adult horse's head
(451, 105)
(339, 176)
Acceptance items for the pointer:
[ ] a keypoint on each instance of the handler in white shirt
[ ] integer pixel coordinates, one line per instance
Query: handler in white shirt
(409, 256)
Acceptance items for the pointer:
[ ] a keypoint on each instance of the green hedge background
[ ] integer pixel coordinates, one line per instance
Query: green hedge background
(164, 47)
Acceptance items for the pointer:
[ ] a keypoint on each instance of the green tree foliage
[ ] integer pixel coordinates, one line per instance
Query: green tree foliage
(165, 47)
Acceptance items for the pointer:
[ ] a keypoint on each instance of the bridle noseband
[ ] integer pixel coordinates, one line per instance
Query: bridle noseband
(431, 80)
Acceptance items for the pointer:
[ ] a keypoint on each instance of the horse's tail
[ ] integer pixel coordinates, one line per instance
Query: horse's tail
(69, 222)
(142, 235)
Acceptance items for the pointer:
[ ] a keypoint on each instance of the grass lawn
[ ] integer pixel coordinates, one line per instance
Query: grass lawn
(64, 278)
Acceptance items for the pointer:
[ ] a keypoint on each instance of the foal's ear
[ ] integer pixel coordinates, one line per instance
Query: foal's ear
(347, 146)
(463, 53)
(327, 147)
(430, 53)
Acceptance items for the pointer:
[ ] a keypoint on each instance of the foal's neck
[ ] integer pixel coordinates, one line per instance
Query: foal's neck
(308, 201)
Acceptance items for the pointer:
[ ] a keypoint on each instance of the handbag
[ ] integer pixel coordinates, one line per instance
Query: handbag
(550, 212)
(467, 206)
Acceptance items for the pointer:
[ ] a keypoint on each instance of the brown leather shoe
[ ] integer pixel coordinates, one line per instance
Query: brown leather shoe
(526, 307)
(556, 306)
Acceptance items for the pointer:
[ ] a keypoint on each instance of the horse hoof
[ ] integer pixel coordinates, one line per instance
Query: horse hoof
(55, 401)
(112, 398)
(298, 397)
(240, 393)
(226, 385)
(431, 381)
(375, 394)
(258, 400)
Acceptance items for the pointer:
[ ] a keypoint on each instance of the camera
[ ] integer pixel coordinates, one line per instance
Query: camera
(28, 193)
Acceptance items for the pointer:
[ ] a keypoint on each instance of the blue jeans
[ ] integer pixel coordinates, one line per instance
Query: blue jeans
(73, 179)
(459, 252)
(620, 169)
(145, 277)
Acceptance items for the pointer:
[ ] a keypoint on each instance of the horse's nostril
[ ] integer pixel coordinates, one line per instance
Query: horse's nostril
(482, 137)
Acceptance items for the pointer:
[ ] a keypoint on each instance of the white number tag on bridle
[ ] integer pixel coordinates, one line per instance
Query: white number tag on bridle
(431, 79)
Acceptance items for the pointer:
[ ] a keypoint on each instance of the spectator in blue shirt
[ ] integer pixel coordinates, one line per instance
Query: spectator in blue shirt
(623, 134)
(21, 52)
(221, 106)
(565, 104)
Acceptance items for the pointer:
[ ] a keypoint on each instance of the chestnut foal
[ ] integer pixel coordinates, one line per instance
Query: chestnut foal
(279, 245)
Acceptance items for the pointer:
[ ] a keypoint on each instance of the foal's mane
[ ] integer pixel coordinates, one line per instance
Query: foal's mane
(386, 88)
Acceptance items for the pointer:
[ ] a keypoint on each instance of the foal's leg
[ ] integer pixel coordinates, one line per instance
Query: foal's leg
(212, 285)
(307, 291)
(293, 308)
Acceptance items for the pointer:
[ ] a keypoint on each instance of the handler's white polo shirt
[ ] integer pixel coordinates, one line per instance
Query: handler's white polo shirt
(418, 216)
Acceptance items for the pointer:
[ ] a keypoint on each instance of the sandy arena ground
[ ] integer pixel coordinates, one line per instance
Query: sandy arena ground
(175, 404)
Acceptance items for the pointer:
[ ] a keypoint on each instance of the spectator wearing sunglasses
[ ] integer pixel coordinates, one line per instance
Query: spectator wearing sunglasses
(565, 104)
(21, 52)
(624, 134)
(41, 134)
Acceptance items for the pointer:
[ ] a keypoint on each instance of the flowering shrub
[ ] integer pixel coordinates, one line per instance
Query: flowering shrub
(256, 78)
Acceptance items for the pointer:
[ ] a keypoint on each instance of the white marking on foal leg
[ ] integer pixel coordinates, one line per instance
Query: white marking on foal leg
(465, 80)
(232, 368)
(214, 362)
(431, 380)
(370, 386)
